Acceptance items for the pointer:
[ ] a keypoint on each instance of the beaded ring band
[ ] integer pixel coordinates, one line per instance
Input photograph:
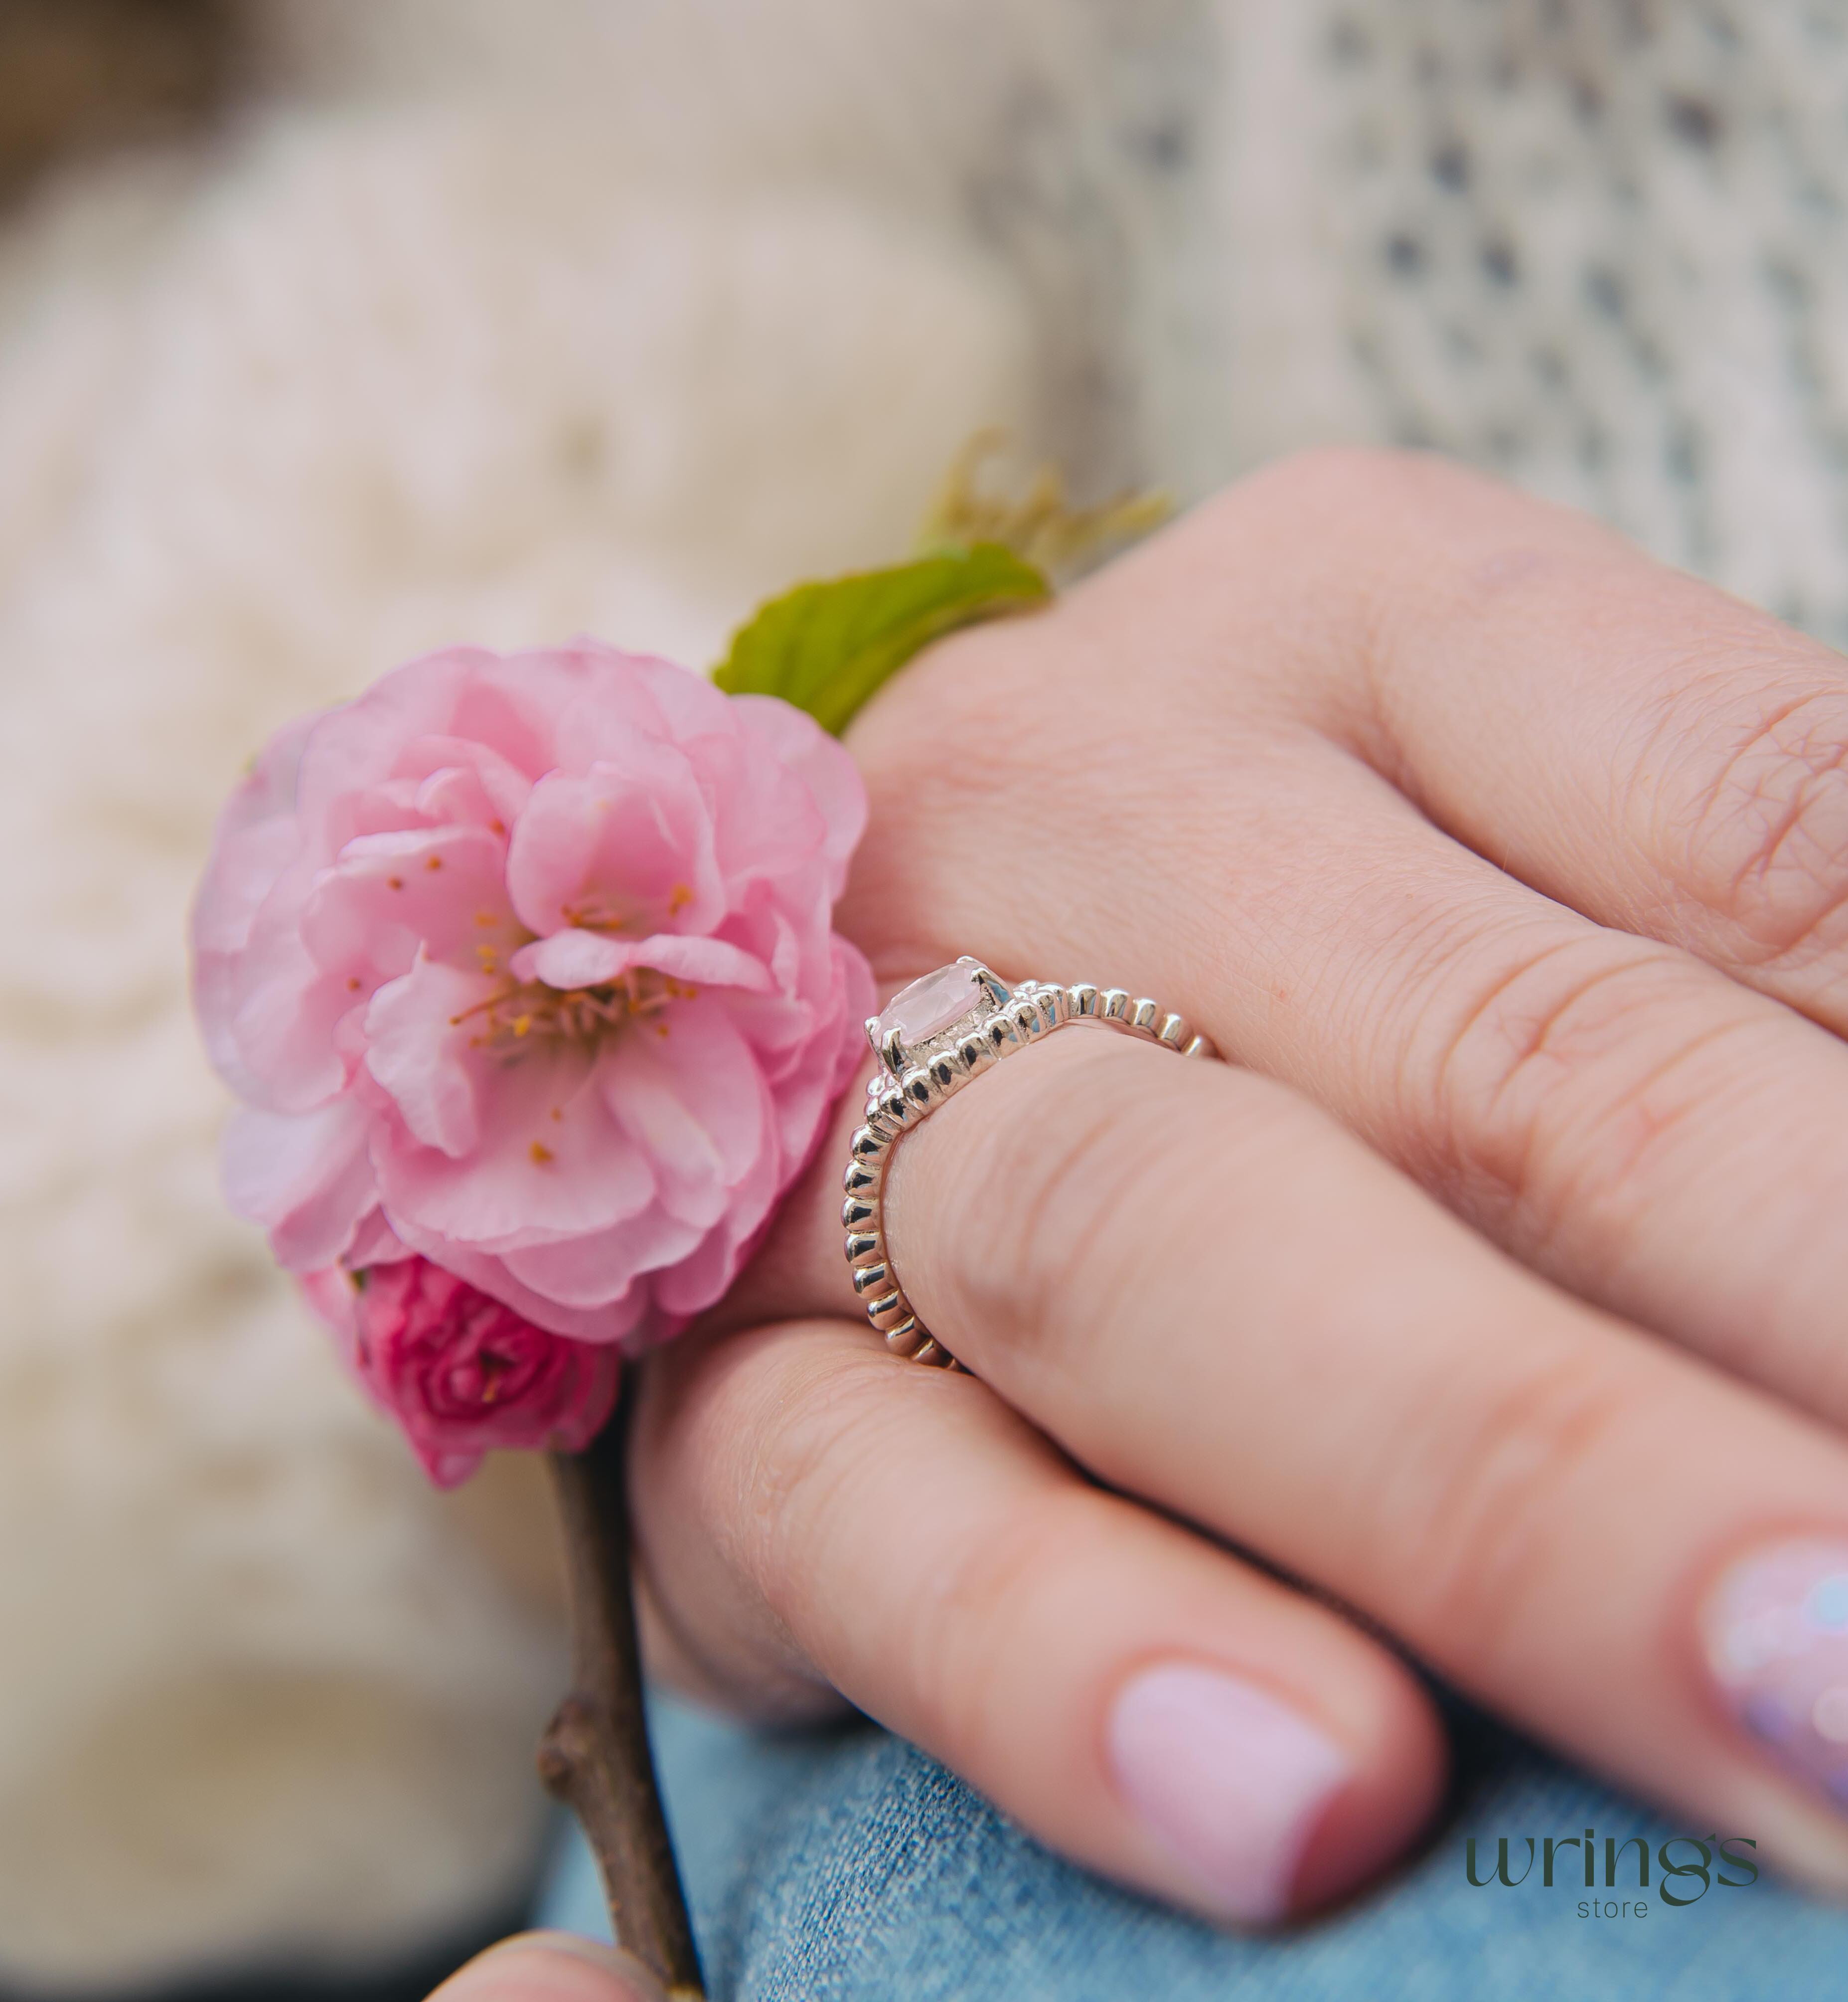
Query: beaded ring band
(934, 1037)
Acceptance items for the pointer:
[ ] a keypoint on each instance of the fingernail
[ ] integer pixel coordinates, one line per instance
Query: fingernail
(1775, 1629)
(551, 1967)
(1228, 1781)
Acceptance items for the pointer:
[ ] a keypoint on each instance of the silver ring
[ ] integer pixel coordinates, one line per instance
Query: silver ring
(933, 1038)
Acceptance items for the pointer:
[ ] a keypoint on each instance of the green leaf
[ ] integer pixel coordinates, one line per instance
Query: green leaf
(829, 647)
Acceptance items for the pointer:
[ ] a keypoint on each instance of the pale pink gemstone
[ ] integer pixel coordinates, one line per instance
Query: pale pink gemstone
(928, 1006)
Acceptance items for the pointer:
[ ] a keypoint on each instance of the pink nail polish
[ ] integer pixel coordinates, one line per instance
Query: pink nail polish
(1228, 1779)
(1775, 1629)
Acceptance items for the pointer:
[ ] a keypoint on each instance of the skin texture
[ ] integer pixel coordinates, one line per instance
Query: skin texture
(1495, 1289)
(551, 1967)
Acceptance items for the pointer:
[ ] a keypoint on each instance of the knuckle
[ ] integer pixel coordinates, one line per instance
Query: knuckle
(978, 1615)
(1369, 487)
(1758, 827)
(1355, 473)
(947, 741)
(742, 1449)
(1557, 1076)
(947, 760)
(1323, 503)
(1499, 1519)
(799, 1460)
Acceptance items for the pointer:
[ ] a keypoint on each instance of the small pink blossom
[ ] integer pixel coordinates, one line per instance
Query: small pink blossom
(462, 1373)
(526, 964)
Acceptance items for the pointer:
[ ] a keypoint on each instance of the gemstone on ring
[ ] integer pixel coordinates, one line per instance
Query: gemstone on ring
(917, 1016)
(931, 1038)
(919, 1011)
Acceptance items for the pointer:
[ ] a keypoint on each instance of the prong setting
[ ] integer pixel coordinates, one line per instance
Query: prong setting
(951, 1044)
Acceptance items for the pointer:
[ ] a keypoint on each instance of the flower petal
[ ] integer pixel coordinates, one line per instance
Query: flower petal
(824, 767)
(422, 1051)
(396, 901)
(546, 1161)
(462, 781)
(285, 1032)
(609, 1268)
(462, 1373)
(626, 846)
(573, 959)
(488, 1274)
(694, 1102)
(441, 888)
(305, 1176)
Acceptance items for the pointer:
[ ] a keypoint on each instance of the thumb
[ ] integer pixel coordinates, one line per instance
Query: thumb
(551, 1967)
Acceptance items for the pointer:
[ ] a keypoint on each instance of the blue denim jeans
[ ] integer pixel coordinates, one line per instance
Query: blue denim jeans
(849, 1867)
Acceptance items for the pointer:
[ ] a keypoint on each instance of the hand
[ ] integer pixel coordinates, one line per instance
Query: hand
(551, 1967)
(1496, 1289)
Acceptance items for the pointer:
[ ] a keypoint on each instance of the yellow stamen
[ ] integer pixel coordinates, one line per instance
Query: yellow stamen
(517, 1010)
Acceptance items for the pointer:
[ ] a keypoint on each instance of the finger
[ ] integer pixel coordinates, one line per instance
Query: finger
(1659, 1138)
(1624, 736)
(1214, 1297)
(1147, 1705)
(551, 1967)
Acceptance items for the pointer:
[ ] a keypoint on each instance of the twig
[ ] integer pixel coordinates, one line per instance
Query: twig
(596, 1755)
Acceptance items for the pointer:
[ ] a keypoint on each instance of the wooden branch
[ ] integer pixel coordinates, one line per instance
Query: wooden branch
(596, 1755)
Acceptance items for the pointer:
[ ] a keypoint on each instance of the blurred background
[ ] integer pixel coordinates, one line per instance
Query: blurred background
(331, 330)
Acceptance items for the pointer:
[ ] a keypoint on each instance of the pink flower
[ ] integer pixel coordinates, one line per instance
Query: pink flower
(526, 964)
(462, 1373)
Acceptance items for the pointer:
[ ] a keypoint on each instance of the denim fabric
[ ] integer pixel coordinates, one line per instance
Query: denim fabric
(849, 1867)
